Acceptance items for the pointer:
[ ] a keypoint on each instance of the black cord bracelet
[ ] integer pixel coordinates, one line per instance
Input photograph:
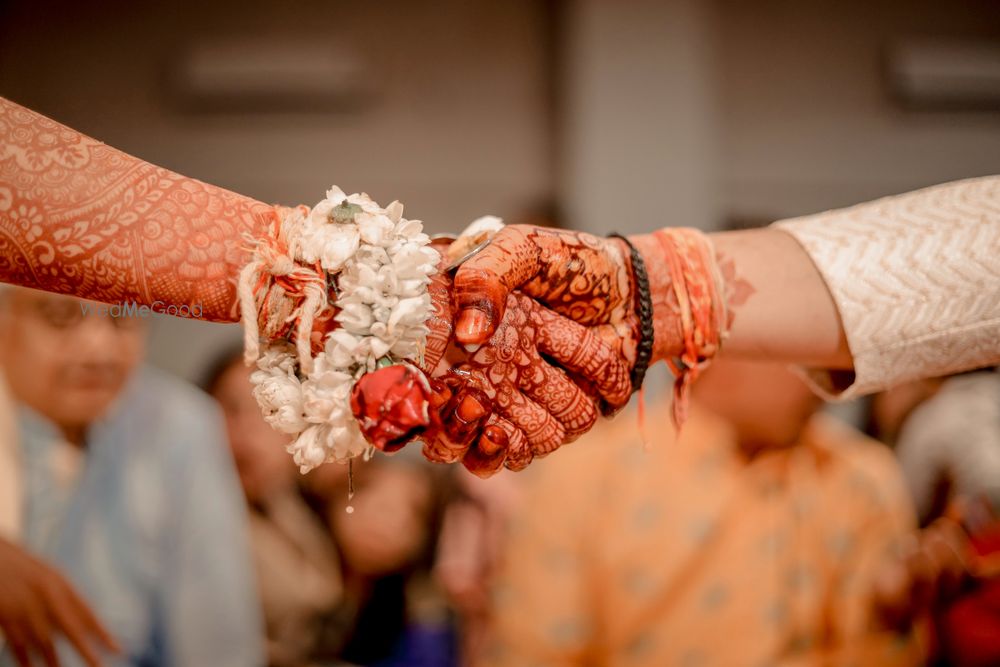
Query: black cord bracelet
(644, 308)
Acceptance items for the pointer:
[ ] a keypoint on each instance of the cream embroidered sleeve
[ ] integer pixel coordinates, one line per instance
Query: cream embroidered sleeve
(916, 279)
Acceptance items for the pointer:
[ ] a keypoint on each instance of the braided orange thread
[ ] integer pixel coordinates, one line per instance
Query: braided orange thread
(701, 311)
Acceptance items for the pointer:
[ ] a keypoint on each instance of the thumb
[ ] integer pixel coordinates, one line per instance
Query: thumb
(483, 282)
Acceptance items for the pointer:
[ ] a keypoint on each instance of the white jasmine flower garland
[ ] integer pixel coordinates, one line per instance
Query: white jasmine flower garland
(379, 265)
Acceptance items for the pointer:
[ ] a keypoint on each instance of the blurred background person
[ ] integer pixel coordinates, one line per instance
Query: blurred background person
(948, 444)
(470, 548)
(946, 578)
(755, 537)
(125, 488)
(297, 566)
(393, 613)
(388, 546)
(337, 586)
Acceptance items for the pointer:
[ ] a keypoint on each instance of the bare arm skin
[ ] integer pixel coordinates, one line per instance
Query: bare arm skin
(782, 309)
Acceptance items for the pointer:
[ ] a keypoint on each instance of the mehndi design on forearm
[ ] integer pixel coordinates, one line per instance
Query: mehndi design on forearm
(79, 217)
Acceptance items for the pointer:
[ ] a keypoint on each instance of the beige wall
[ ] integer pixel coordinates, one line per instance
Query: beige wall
(456, 123)
(807, 120)
(639, 116)
(688, 113)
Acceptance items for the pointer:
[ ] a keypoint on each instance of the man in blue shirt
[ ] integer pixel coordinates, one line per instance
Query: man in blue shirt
(126, 489)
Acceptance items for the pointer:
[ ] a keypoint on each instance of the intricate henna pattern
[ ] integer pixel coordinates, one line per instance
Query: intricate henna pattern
(440, 322)
(505, 404)
(581, 276)
(79, 217)
(589, 281)
(82, 218)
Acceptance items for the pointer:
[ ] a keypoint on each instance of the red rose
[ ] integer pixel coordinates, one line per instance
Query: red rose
(392, 406)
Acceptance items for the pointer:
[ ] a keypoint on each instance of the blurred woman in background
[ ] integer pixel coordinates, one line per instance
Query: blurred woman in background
(298, 570)
(341, 579)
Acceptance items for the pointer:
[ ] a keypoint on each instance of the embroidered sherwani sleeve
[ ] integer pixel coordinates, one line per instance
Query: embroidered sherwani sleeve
(916, 280)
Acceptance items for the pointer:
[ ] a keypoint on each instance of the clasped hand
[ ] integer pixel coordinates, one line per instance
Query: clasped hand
(530, 341)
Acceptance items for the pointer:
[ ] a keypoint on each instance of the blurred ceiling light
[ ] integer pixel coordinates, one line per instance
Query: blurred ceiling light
(267, 75)
(947, 75)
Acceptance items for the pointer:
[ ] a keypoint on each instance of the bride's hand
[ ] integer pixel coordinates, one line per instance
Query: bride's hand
(511, 399)
(583, 277)
(660, 296)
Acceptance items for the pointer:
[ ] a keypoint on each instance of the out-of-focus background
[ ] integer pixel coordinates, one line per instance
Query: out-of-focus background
(616, 115)
(765, 534)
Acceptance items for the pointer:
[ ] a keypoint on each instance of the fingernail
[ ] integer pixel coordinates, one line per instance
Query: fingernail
(470, 409)
(440, 395)
(471, 348)
(472, 326)
(493, 440)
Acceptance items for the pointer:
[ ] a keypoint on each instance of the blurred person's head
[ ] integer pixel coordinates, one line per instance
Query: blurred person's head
(765, 402)
(67, 358)
(889, 409)
(390, 524)
(262, 462)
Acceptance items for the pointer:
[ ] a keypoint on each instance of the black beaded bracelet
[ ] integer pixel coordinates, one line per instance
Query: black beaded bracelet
(644, 308)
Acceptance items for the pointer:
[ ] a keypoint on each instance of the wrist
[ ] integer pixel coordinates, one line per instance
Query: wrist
(638, 348)
(689, 312)
(668, 338)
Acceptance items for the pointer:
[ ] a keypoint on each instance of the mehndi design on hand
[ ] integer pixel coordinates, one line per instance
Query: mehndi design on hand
(514, 397)
(590, 280)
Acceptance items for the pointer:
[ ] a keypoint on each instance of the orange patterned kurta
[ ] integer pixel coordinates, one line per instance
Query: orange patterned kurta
(687, 554)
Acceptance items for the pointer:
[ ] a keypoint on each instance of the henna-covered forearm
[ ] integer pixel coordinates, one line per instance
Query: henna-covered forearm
(79, 217)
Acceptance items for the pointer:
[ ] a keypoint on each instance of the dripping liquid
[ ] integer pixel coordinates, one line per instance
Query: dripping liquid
(350, 486)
